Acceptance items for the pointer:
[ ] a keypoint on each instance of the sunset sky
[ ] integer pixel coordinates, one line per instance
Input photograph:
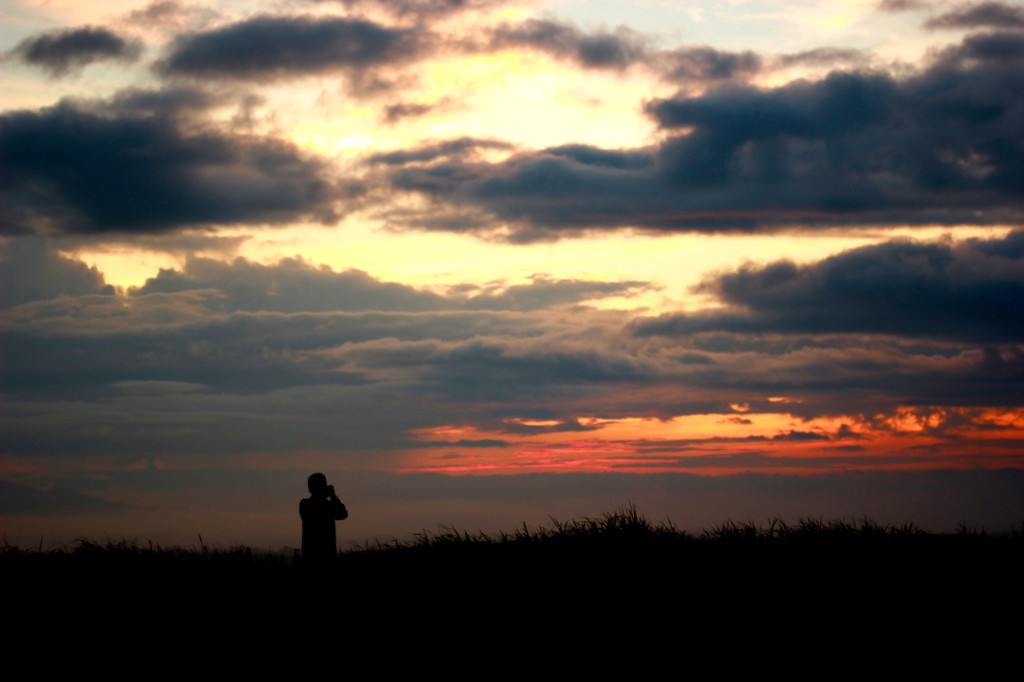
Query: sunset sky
(482, 262)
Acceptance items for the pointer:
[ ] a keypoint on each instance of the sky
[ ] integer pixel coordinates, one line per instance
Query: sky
(485, 262)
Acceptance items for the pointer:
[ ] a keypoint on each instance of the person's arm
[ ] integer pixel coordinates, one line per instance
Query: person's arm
(337, 508)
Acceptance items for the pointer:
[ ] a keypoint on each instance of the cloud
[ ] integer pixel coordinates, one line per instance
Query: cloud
(823, 56)
(425, 9)
(703, 63)
(1011, 246)
(543, 292)
(622, 48)
(266, 48)
(293, 285)
(435, 150)
(207, 324)
(393, 113)
(142, 163)
(124, 376)
(498, 370)
(31, 271)
(936, 290)
(66, 51)
(616, 49)
(1000, 47)
(113, 375)
(271, 47)
(986, 14)
(602, 158)
(195, 336)
(171, 15)
(904, 5)
(853, 148)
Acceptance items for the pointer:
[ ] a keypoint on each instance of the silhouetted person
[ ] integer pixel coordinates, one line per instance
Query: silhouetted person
(319, 512)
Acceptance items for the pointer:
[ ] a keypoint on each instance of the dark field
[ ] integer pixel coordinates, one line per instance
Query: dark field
(619, 568)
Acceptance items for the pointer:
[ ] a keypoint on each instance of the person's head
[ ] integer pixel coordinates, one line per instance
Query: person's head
(317, 484)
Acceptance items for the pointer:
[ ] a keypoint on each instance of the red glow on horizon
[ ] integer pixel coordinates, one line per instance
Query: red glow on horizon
(911, 438)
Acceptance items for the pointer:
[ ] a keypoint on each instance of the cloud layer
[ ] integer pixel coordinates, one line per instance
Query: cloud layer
(234, 357)
(942, 146)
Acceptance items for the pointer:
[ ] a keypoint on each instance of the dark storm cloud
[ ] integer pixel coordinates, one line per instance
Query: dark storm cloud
(31, 271)
(66, 51)
(268, 47)
(942, 146)
(985, 14)
(616, 49)
(138, 164)
(965, 293)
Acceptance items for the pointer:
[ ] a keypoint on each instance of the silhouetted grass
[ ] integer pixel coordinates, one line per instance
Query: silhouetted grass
(625, 528)
(608, 582)
(622, 537)
(620, 561)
